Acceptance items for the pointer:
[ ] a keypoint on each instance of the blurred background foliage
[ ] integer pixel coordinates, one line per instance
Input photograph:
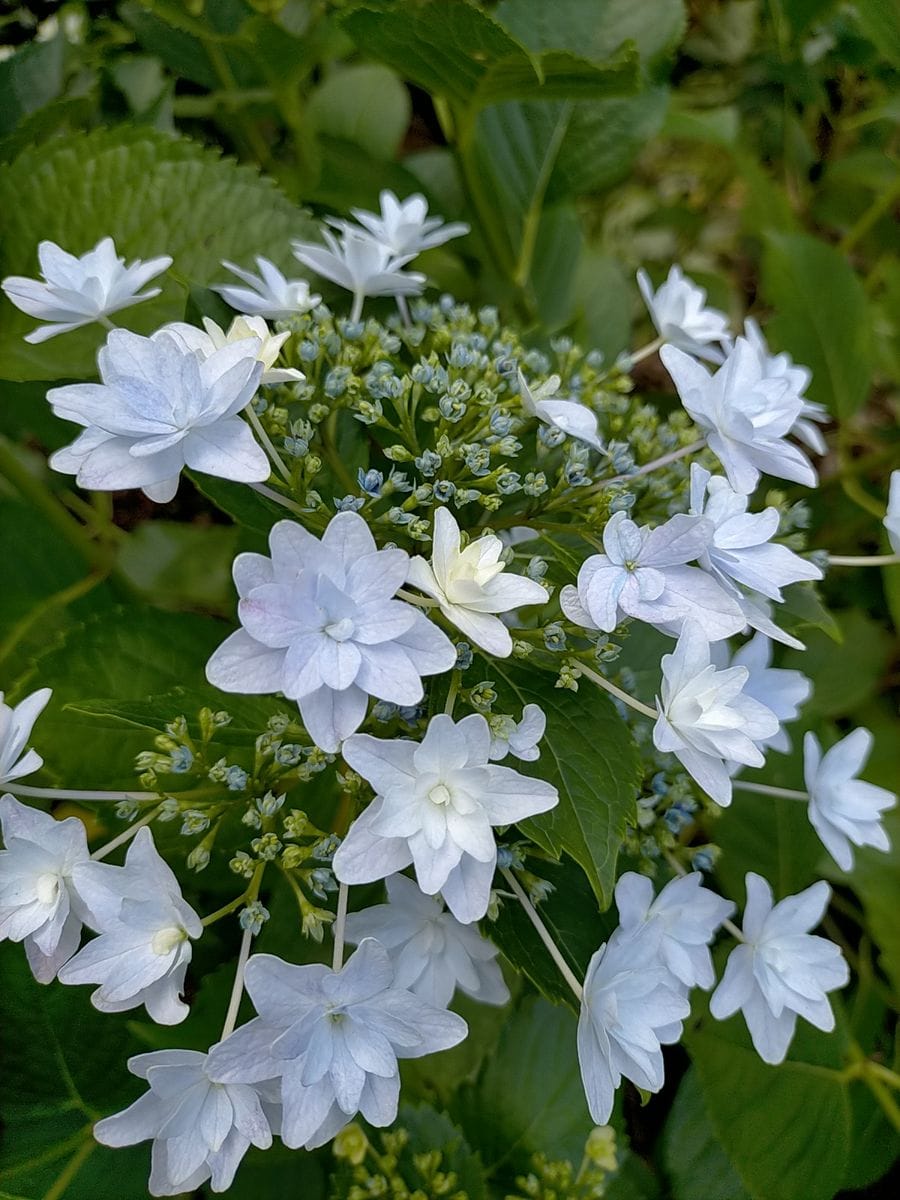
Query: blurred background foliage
(754, 141)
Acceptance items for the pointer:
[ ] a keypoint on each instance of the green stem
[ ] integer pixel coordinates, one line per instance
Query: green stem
(864, 560)
(70, 1170)
(543, 933)
(268, 445)
(765, 789)
(237, 989)
(127, 834)
(631, 701)
(337, 960)
(876, 210)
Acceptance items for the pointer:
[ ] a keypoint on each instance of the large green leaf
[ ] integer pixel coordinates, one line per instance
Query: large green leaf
(460, 52)
(589, 756)
(365, 104)
(29, 79)
(692, 1154)
(877, 881)
(155, 195)
(786, 1129)
(821, 316)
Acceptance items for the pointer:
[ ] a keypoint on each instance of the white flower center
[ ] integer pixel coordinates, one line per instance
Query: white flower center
(165, 940)
(48, 887)
(340, 631)
(440, 794)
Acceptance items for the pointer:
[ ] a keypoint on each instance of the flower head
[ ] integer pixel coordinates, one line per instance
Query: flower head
(333, 1038)
(159, 409)
(267, 294)
(782, 366)
(521, 740)
(15, 730)
(782, 690)
(843, 810)
(631, 1006)
(745, 414)
(574, 419)
(740, 551)
(39, 904)
(684, 918)
(212, 337)
(79, 291)
(361, 265)
(433, 954)
(705, 719)
(319, 623)
(892, 516)
(780, 971)
(644, 575)
(145, 928)
(680, 314)
(471, 585)
(200, 1129)
(403, 227)
(435, 803)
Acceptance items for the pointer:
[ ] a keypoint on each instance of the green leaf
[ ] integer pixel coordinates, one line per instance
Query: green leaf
(877, 882)
(176, 565)
(821, 316)
(596, 28)
(589, 756)
(156, 195)
(252, 512)
(786, 1129)
(880, 21)
(456, 50)
(692, 1154)
(529, 1097)
(30, 79)
(429, 1131)
(769, 835)
(365, 104)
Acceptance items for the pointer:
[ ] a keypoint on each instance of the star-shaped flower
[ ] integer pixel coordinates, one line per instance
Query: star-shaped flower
(39, 903)
(472, 586)
(780, 971)
(705, 719)
(200, 1129)
(745, 415)
(145, 928)
(79, 291)
(158, 409)
(333, 1038)
(644, 575)
(519, 739)
(403, 227)
(212, 337)
(680, 314)
(574, 419)
(268, 294)
(782, 690)
(16, 724)
(361, 265)
(320, 625)
(433, 953)
(843, 810)
(435, 803)
(782, 366)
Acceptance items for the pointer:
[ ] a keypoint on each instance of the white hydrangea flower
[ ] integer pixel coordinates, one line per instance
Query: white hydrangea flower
(574, 419)
(782, 366)
(644, 575)
(320, 625)
(403, 227)
(39, 903)
(843, 810)
(268, 294)
(745, 415)
(361, 265)
(435, 803)
(780, 689)
(522, 739)
(200, 1129)
(740, 551)
(471, 585)
(212, 337)
(158, 410)
(683, 918)
(79, 291)
(145, 928)
(680, 314)
(16, 759)
(705, 719)
(780, 971)
(892, 516)
(433, 954)
(333, 1038)
(631, 1006)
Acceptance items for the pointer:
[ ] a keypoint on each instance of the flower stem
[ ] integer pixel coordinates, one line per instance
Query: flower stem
(268, 445)
(237, 989)
(337, 958)
(865, 560)
(356, 310)
(270, 494)
(765, 789)
(22, 789)
(452, 693)
(127, 834)
(403, 310)
(543, 933)
(644, 351)
(412, 598)
(637, 705)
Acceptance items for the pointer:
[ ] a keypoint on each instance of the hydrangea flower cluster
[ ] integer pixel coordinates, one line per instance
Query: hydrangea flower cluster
(458, 509)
